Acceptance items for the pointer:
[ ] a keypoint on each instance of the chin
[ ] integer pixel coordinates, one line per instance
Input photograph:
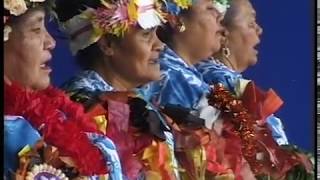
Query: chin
(214, 50)
(42, 84)
(152, 77)
(253, 61)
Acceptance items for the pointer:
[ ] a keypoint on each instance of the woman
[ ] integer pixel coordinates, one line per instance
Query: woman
(117, 47)
(45, 134)
(192, 32)
(243, 36)
(181, 85)
(237, 53)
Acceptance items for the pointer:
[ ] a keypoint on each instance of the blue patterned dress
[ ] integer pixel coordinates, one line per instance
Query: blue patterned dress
(214, 72)
(181, 85)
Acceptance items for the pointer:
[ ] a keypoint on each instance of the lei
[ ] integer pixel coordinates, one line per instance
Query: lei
(61, 122)
(281, 163)
(244, 122)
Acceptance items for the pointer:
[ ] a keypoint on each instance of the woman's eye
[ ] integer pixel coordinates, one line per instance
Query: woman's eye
(36, 30)
(210, 8)
(252, 24)
(146, 33)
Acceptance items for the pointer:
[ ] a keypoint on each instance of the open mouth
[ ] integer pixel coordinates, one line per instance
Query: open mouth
(154, 61)
(255, 48)
(45, 66)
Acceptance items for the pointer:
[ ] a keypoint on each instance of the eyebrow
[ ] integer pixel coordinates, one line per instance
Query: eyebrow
(39, 19)
(35, 20)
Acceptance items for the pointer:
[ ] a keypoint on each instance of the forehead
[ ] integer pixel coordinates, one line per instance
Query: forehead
(245, 9)
(32, 17)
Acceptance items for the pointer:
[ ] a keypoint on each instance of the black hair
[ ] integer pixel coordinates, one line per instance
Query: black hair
(66, 9)
(166, 31)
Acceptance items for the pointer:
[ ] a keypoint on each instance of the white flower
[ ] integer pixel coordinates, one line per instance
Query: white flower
(16, 7)
(222, 8)
(37, 0)
(7, 29)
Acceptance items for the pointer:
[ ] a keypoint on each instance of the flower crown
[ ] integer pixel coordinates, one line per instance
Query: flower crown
(174, 7)
(112, 17)
(19, 7)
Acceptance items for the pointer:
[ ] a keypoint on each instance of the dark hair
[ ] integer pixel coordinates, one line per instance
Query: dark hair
(166, 32)
(231, 13)
(88, 57)
(66, 9)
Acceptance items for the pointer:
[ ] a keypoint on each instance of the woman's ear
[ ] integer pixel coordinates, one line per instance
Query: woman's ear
(225, 33)
(106, 46)
(225, 36)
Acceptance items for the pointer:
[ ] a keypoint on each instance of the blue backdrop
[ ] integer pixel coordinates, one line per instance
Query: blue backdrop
(285, 63)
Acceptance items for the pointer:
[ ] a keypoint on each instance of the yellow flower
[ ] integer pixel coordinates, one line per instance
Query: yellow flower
(16, 7)
(184, 4)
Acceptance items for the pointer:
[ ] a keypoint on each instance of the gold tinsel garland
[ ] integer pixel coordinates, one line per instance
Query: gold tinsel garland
(234, 110)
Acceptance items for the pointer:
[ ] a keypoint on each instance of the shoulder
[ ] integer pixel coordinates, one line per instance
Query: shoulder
(84, 87)
(214, 72)
(18, 126)
(87, 80)
(18, 133)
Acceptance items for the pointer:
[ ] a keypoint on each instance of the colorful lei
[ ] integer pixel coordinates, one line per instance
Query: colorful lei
(61, 122)
(265, 157)
(137, 132)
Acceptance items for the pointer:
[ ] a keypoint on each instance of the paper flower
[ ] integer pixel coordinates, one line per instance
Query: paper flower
(222, 5)
(7, 29)
(37, 0)
(45, 171)
(16, 7)
(111, 18)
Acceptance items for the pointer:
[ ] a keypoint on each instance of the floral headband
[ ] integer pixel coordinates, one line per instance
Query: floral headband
(17, 8)
(174, 7)
(112, 17)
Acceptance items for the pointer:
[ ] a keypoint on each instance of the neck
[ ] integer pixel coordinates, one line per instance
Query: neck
(112, 77)
(9, 82)
(230, 63)
(180, 48)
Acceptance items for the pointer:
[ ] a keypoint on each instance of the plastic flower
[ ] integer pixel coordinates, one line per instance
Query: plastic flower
(222, 5)
(16, 7)
(7, 29)
(37, 0)
(184, 4)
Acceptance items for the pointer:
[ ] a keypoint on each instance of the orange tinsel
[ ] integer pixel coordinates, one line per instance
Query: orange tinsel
(241, 118)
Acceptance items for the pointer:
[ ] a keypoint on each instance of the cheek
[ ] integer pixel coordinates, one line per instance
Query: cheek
(249, 38)
(136, 62)
(204, 26)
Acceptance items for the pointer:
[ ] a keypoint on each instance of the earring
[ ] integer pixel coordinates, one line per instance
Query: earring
(182, 27)
(225, 52)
